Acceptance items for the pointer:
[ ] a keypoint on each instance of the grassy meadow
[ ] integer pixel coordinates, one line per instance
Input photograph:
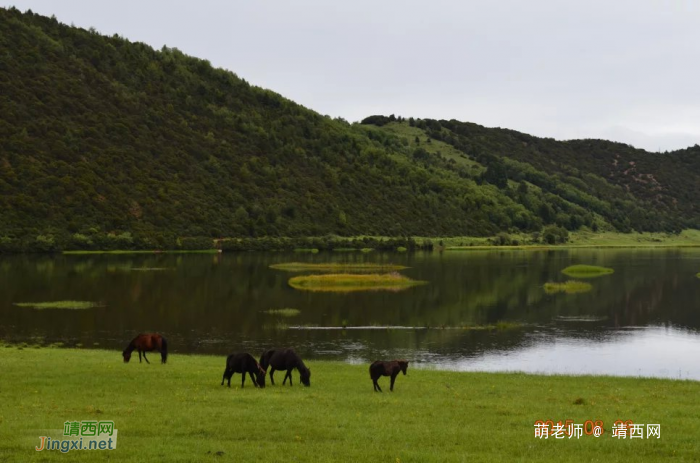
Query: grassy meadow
(583, 239)
(179, 412)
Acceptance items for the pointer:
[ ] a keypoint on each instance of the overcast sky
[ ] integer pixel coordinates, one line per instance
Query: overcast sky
(624, 70)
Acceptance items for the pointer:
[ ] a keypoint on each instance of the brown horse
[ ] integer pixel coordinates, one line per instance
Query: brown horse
(381, 368)
(147, 343)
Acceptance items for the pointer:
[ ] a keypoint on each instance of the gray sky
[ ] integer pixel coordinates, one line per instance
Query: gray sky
(624, 70)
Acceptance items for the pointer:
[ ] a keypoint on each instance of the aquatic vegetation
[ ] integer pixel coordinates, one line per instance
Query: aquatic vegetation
(149, 269)
(499, 326)
(277, 326)
(74, 305)
(580, 318)
(698, 275)
(401, 249)
(286, 312)
(502, 325)
(568, 287)
(337, 267)
(311, 250)
(346, 282)
(586, 271)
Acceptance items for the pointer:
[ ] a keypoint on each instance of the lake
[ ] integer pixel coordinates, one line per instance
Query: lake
(480, 311)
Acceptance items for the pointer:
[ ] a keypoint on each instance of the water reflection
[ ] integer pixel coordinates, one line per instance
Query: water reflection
(220, 303)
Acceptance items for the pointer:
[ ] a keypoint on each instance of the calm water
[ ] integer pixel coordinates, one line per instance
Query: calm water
(644, 320)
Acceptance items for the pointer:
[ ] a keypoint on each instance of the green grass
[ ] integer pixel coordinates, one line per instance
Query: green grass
(345, 282)
(586, 271)
(568, 287)
(336, 267)
(74, 305)
(179, 412)
(580, 239)
(404, 131)
(286, 312)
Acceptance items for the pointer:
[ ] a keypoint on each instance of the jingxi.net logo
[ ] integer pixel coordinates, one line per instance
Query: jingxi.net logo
(80, 435)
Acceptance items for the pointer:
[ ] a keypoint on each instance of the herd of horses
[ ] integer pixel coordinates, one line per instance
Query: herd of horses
(273, 359)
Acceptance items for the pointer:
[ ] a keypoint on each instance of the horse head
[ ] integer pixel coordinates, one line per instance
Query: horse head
(403, 364)
(261, 376)
(305, 376)
(127, 356)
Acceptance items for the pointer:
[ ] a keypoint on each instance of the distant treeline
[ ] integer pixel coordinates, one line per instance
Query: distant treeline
(127, 242)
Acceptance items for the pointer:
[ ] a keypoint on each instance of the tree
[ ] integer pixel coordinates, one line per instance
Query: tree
(496, 174)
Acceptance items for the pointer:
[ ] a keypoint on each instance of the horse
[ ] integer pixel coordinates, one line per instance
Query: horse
(244, 363)
(382, 368)
(285, 359)
(147, 343)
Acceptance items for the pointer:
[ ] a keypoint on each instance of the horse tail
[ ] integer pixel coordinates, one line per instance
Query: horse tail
(163, 349)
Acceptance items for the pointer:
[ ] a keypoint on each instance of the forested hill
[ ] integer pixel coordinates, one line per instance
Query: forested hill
(101, 138)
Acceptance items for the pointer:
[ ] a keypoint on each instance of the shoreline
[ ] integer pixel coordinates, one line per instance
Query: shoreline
(114, 354)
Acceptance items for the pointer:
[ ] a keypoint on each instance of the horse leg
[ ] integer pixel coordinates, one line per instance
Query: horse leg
(227, 374)
(146, 358)
(272, 370)
(393, 378)
(288, 375)
(376, 385)
(243, 380)
(252, 378)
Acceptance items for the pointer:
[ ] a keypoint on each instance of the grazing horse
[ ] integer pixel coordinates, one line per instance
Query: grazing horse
(244, 363)
(285, 359)
(381, 368)
(147, 343)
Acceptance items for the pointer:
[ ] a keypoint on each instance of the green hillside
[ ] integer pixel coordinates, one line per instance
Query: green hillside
(108, 143)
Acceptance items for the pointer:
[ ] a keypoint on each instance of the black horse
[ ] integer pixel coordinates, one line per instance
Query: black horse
(244, 363)
(285, 359)
(381, 368)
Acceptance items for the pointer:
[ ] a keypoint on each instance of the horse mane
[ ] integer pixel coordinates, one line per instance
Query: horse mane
(265, 358)
(301, 367)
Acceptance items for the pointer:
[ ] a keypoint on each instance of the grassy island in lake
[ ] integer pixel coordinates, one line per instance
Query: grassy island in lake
(345, 282)
(586, 271)
(568, 287)
(73, 305)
